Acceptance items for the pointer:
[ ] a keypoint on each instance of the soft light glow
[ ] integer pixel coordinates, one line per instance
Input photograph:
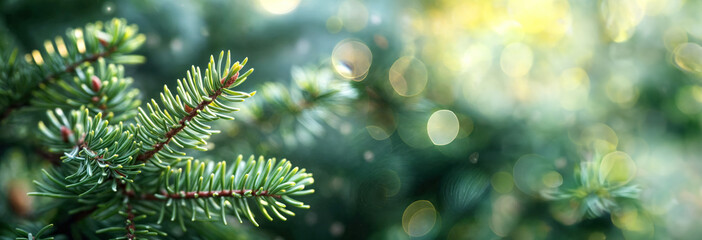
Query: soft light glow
(617, 168)
(419, 218)
(621, 17)
(354, 15)
(516, 59)
(334, 24)
(442, 127)
(352, 59)
(575, 86)
(408, 76)
(502, 182)
(377, 133)
(688, 56)
(279, 6)
(552, 179)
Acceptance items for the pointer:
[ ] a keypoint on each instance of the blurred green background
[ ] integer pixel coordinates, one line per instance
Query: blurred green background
(458, 119)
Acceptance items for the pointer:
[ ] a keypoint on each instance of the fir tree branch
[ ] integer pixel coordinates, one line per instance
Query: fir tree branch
(100, 87)
(95, 41)
(191, 114)
(163, 196)
(198, 98)
(209, 188)
(89, 59)
(25, 99)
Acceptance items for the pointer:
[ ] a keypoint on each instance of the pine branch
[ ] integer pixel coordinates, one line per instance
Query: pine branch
(95, 153)
(164, 195)
(181, 124)
(17, 82)
(99, 87)
(84, 139)
(299, 111)
(111, 40)
(25, 99)
(89, 59)
(206, 188)
(200, 98)
(26, 235)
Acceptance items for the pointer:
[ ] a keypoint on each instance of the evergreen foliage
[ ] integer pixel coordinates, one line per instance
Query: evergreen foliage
(121, 160)
(298, 112)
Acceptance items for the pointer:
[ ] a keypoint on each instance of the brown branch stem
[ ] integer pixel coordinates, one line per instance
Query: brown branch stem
(194, 194)
(131, 228)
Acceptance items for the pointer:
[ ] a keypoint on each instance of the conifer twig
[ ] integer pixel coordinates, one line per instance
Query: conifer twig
(69, 68)
(192, 113)
(201, 194)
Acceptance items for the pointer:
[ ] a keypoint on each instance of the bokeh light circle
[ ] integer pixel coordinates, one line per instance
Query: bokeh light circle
(688, 56)
(354, 15)
(408, 76)
(516, 59)
(279, 6)
(502, 182)
(419, 218)
(352, 59)
(442, 127)
(617, 168)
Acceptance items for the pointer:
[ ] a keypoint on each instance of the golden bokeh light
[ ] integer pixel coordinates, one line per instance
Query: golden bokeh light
(354, 15)
(617, 168)
(621, 17)
(688, 56)
(674, 37)
(419, 218)
(552, 179)
(547, 20)
(504, 215)
(408, 76)
(352, 59)
(442, 127)
(279, 6)
(502, 182)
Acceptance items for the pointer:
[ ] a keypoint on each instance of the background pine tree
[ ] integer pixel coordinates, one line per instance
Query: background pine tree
(419, 119)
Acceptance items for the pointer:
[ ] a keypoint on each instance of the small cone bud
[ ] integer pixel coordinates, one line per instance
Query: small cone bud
(65, 133)
(95, 99)
(230, 81)
(103, 42)
(188, 109)
(96, 83)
